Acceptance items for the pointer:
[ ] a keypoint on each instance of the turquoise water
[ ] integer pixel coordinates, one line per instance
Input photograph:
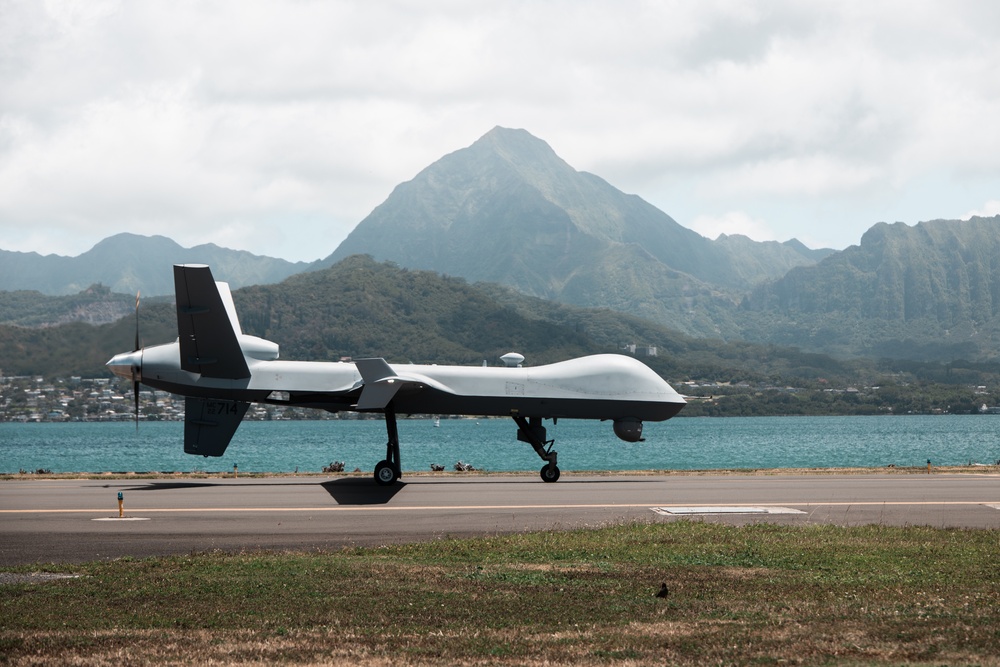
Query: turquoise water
(491, 444)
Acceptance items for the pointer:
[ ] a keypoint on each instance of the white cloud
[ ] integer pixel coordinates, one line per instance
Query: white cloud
(810, 175)
(255, 120)
(987, 210)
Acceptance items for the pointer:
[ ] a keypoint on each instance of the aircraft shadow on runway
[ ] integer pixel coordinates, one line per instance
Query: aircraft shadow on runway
(534, 481)
(347, 491)
(172, 486)
(164, 486)
(364, 491)
(358, 491)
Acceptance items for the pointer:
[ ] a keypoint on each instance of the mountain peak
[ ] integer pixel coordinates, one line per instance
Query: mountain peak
(497, 156)
(516, 144)
(129, 242)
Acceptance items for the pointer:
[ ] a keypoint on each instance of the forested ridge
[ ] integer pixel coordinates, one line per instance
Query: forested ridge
(361, 308)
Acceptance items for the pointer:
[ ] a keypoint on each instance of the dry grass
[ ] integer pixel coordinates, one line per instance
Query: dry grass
(761, 594)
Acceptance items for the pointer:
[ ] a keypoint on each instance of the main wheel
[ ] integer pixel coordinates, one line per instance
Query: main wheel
(550, 473)
(385, 474)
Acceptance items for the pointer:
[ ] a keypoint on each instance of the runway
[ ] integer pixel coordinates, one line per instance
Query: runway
(73, 520)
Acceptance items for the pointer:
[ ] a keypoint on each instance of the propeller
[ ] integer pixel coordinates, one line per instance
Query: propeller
(128, 365)
(135, 370)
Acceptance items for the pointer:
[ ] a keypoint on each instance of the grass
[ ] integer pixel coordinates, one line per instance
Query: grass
(758, 594)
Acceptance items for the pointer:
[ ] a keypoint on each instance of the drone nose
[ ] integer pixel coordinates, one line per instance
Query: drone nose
(127, 365)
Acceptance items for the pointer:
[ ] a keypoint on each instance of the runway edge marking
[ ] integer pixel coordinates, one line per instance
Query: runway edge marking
(683, 510)
(419, 508)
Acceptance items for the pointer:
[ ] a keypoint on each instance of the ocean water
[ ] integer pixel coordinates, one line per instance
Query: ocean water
(491, 444)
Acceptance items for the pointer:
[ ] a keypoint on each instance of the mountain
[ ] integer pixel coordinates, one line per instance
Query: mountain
(760, 262)
(129, 262)
(931, 291)
(507, 209)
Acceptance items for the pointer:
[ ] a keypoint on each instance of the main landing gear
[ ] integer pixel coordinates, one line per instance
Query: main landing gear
(388, 471)
(532, 432)
(529, 430)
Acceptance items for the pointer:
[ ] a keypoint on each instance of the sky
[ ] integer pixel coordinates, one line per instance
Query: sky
(276, 127)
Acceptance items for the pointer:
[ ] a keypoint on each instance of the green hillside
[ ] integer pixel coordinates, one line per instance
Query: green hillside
(927, 292)
(78, 348)
(361, 308)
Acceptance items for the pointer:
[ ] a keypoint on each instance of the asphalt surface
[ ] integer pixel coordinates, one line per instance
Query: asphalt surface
(73, 520)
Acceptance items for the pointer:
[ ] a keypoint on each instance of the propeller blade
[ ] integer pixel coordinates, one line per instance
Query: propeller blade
(135, 391)
(136, 321)
(135, 379)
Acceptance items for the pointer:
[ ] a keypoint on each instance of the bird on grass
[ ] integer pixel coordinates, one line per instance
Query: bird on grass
(663, 592)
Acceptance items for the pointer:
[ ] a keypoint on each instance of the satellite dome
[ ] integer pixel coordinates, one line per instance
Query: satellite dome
(512, 360)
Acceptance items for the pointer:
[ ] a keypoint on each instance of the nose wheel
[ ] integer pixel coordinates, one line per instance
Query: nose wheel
(550, 473)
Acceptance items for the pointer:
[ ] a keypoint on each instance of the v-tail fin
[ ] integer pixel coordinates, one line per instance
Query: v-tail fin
(206, 325)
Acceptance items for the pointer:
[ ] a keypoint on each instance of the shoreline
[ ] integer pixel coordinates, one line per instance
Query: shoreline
(753, 472)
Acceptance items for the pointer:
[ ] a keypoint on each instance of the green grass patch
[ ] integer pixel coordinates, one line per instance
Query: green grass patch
(753, 594)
